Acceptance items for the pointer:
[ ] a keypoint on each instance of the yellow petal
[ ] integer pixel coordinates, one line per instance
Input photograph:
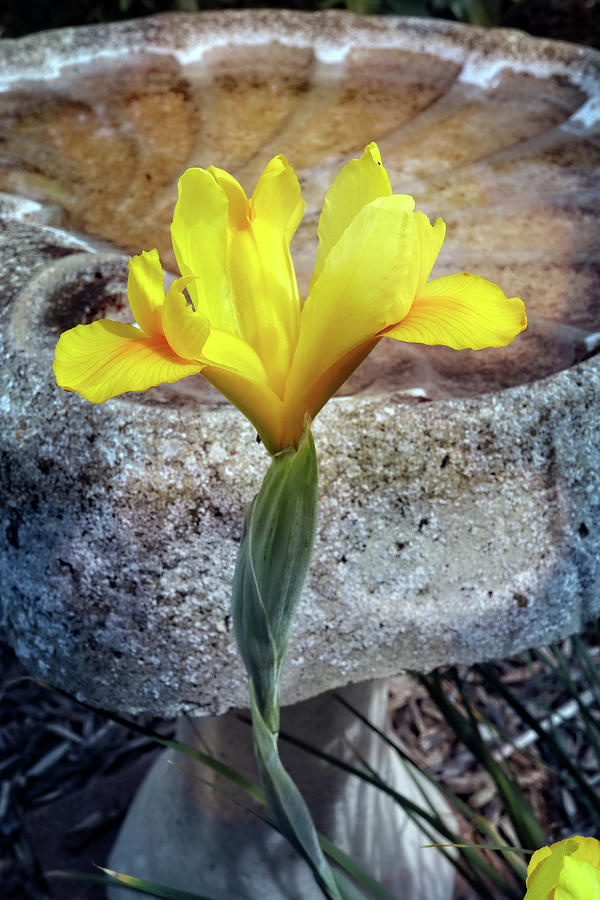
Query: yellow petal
(263, 283)
(578, 880)
(232, 353)
(255, 400)
(538, 858)
(567, 870)
(360, 182)
(199, 234)
(361, 291)
(238, 203)
(462, 311)
(235, 369)
(185, 329)
(276, 201)
(588, 850)
(146, 291)
(428, 243)
(108, 358)
(317, 392)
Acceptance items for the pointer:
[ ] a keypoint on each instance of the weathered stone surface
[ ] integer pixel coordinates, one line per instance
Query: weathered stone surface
(457, 529)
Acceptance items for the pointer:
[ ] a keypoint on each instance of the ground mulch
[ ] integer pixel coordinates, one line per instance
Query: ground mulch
(67, 773)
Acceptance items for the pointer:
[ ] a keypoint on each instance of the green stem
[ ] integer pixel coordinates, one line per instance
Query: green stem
(271, 569)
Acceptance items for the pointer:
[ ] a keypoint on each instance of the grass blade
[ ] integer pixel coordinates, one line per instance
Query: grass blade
(413, 811)
(566, 764)
(128, 883)
(590, 726)
(528, 829)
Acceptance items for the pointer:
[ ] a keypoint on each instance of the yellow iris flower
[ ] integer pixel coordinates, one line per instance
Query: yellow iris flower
(246, 329)
(567, 870)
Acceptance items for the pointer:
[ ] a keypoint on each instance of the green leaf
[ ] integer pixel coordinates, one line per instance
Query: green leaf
(287, 804)
(363, 878)
(271, 569)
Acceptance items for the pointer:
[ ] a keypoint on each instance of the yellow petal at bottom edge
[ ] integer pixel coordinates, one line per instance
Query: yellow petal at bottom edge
(106, 358)
(567, 870)
(579, 880)
(462, 312)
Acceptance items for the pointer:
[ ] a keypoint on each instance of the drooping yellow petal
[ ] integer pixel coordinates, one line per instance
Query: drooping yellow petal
(360, 182)
(235, 369)
(185, 329)
(199, 235)
(146, 291)
(105, 358)
(360, 291)
(462, 312)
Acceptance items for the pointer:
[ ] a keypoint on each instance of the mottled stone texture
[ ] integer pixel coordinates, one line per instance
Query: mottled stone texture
(456, 524)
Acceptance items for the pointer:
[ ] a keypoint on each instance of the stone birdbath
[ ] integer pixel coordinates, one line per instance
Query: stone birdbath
(460, 493)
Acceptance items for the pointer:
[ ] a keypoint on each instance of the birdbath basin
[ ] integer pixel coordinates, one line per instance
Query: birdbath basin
(459, 492)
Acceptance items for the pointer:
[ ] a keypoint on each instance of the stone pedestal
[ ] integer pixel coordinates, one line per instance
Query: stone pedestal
(183, 833)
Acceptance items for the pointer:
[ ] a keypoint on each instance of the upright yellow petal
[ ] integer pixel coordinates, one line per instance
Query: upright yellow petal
(543, 873)
(276, 202)
(428, 243)
(588, 850)
(107, 358)
(199, 234)
(276, 209)
(238, 203)
(360, 291)
(578, 880)
(538, 857)
(360, 182)
(263, 282)
(146, 291)
(462, 312)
